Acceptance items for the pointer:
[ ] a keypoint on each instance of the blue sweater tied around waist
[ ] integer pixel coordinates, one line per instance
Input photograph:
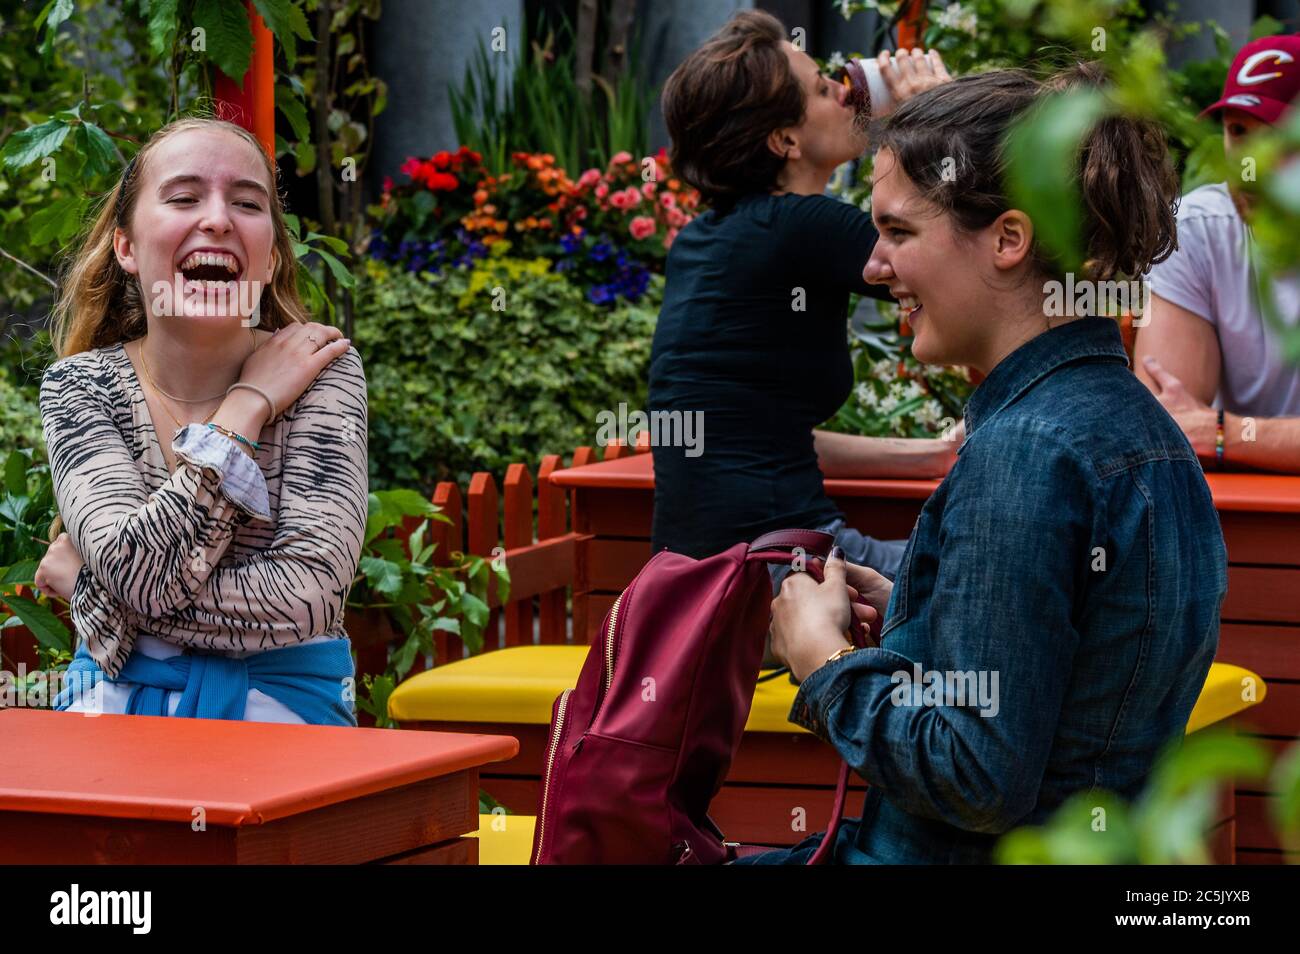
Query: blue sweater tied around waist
(308, 679)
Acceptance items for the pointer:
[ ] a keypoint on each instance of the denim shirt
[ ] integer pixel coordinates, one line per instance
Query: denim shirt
(1064, 582)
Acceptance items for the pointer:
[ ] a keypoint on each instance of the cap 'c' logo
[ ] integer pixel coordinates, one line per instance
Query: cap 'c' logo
(1246, 78)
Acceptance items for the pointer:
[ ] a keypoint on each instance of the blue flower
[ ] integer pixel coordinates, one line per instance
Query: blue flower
(564, 264)
(599, 252)
(599, 295)
(415, 264)
(570, 243)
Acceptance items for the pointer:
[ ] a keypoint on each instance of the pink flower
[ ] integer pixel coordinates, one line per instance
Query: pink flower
(676, 219)
(602, 190)
(642, 227)
(633, 197)
(668, 200)
(668, 239)
(588, 178)
(621, 157)
(648, 190)
(619, 200)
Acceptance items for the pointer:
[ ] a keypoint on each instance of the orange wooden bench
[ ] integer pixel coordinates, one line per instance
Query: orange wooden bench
(119, 789)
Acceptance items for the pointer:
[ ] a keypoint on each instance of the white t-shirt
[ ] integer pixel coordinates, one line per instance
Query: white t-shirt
(1211, 275)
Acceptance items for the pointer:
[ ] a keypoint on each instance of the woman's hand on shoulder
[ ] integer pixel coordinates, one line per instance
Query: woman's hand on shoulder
(59, 568)
(287, 363)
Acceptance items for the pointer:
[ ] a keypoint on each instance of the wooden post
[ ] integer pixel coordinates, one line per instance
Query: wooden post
(518, 532)
(482, 535)
(551, 522)
(251, 103)
(447, 537)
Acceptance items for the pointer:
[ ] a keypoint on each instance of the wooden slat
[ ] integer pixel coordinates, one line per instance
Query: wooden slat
(376, 826)
(1277, 715)
(461, 851)
(616, 450)
(1259, 594)
(448, 538)
(1261, 537)
(1247, 857)
(611, 564)
(541, 567)
(1254, 822)
(517, 532)
(552, 521)
(612, 512)
(481, 535)
(596, 605)
(1272, 652)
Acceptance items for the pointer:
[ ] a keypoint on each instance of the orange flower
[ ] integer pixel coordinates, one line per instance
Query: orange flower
(674, 184)
(480, 196)
(534, 162)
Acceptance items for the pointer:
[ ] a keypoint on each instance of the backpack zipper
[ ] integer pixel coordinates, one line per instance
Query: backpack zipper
(554, 748)
(558, 733)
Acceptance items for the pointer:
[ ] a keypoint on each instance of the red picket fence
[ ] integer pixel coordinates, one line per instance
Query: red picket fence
(525, 521)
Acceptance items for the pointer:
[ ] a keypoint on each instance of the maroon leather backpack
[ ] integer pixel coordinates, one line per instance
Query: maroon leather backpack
(641, 745)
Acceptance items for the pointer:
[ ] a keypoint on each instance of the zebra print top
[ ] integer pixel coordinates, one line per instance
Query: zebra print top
(191, 557)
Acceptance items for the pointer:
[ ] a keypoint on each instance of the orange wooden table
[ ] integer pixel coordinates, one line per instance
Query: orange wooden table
(119, 789)
(1260, 621)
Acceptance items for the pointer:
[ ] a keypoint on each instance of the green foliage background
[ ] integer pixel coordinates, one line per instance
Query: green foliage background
(456, 386)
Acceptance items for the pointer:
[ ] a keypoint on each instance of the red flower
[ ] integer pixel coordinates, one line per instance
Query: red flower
(441, 159)
(442, 181)
(388, 183)
(411, 167)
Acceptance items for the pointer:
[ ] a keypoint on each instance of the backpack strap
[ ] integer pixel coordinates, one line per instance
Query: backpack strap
(813, 542)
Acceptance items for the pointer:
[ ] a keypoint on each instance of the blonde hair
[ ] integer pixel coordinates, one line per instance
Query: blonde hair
(100, 304)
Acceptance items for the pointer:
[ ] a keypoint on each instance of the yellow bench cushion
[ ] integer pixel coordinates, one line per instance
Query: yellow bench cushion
(519, 686)
(504, 839)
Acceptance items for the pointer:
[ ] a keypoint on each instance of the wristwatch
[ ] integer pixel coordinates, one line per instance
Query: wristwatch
(840, 652)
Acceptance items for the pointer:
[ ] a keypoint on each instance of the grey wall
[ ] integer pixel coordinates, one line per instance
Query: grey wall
(420, 48)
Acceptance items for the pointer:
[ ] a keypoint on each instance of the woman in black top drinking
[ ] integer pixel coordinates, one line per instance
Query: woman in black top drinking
(753, 329)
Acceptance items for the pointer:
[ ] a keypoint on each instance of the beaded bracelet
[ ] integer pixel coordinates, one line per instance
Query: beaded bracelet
(235, 437)
(1218, 442)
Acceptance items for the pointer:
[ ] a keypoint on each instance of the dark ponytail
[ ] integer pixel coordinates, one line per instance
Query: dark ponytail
(1128, 183)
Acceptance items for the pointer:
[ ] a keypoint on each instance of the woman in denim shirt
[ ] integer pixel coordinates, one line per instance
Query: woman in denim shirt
(1065, 579)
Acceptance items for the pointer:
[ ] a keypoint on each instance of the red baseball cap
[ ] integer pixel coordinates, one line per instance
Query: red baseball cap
(1264, 79)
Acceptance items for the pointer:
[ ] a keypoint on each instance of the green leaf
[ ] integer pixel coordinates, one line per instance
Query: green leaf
(97, 148)
(1043, 150)
(341, 273)
(54, 14)
(475, 610)
(163, 21)
(55, 220)
(35, 142)
(295, 111)
(384, 576)
(16, 473)
(44, 625)
(20, 573)
(286, 21)
(228, 38)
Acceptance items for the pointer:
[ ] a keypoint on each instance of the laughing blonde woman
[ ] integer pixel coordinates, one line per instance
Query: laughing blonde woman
(207, 444)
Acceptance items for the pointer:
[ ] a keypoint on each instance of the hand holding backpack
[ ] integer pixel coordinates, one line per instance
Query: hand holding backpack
(642, 744)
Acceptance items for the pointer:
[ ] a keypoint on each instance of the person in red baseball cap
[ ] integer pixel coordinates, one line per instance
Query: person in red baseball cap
(1204, 347)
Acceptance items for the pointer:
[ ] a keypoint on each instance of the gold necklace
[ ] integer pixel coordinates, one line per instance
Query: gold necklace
(144, 364)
